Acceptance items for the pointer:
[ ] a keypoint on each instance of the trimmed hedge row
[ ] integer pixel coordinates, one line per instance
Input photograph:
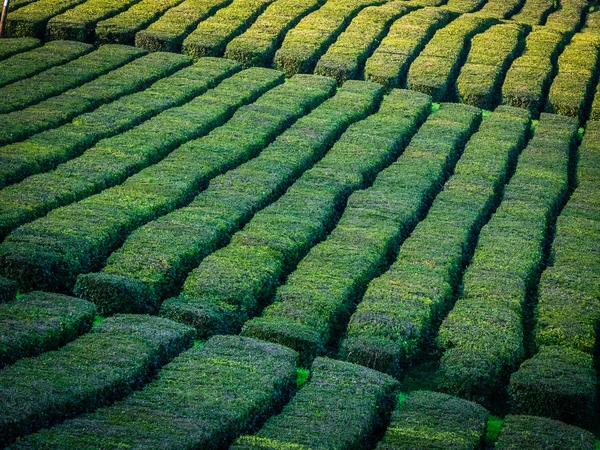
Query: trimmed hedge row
(435, 70)
(537, 433)
(569, 16)
(558, 382)
(568, 311)
(122, 28)
(15, 4)
(132, 281)
(232, 284)
(528, 79)
(464, 6)
(32, 62)
(56, 80)
(312, 308)
(213, 34)
(311, 37)
(31, 255)
(12, 46)
(31, 20)
(113, 159)
(403, 306)
(406, 38)
(534, 12)
(483, 334)
(79, 23)
(8, 290)
(431, 420)
(492, 52)
(62, 108)
(118, 356)
(571, 89)
(346, 57)
(342, 406)
(257, 45)
(169, 31)
(205, 398)
(501, 9)
(39, 322)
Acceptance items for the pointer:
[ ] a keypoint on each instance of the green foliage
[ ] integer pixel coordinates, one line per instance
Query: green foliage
(79, 23)
(154, 191)
(115, 358)
(169, 31)
(181, 239)
(493, 429)
(483, 334)
(12, 46)
(432, 420)
(213, 34)
(537, 433)
(534, 12)
(345, 58)
(502, 9)
(435, 69)
(400, 308)
(342, 406)
(257, 45)
(404, 41)
(558, 382)
(205, 398)
(122, 28)
(38, 322)
(464, 6)
(568, 18)
(8, 290)
(302, 378)
(31, 19)
(32, 62)
(309, 39)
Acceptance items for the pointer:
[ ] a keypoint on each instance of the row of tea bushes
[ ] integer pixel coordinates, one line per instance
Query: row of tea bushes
(569, 16)
(8, 290)
(79, 23)
(169, 31)
(31, 19)
(501, 9)
(257, 45)
(401, 309)
(112, 159)
(560, 380)
(491, 54)
(118, 356)
(436, 68)
(342, 406)
(107, 218)
(529, 77)
(12, 46)
(39, 322)
(406, 38)
(534, 12)
(122, 28)
(131, 281)
(58, 79)
(205, 398)
(212, 35)
(231, 285)
(483, 334)
(313, 306)
(62, 108)
(346, 57)
(37, 60)
(464, 6)
(577, 74)
(311, 37)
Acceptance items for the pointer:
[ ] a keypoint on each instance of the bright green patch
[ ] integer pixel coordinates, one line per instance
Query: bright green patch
(493, 428)
(302, 377)
(97, 320)
(198, 343)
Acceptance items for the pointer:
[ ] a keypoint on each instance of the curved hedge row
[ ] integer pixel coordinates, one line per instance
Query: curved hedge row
(406, 38)
(232, 284)
(342, 406)
(313, 306)
(113, 159)
(132, 281)
(39, 322)
(534, 12)
(12, 46)
(401, 309)
(118, 356)
(58, 110)
(205, 398)
(257, 45)
(483, 334)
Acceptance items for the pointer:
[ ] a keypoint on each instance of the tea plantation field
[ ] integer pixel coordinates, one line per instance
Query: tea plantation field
(300, 224)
